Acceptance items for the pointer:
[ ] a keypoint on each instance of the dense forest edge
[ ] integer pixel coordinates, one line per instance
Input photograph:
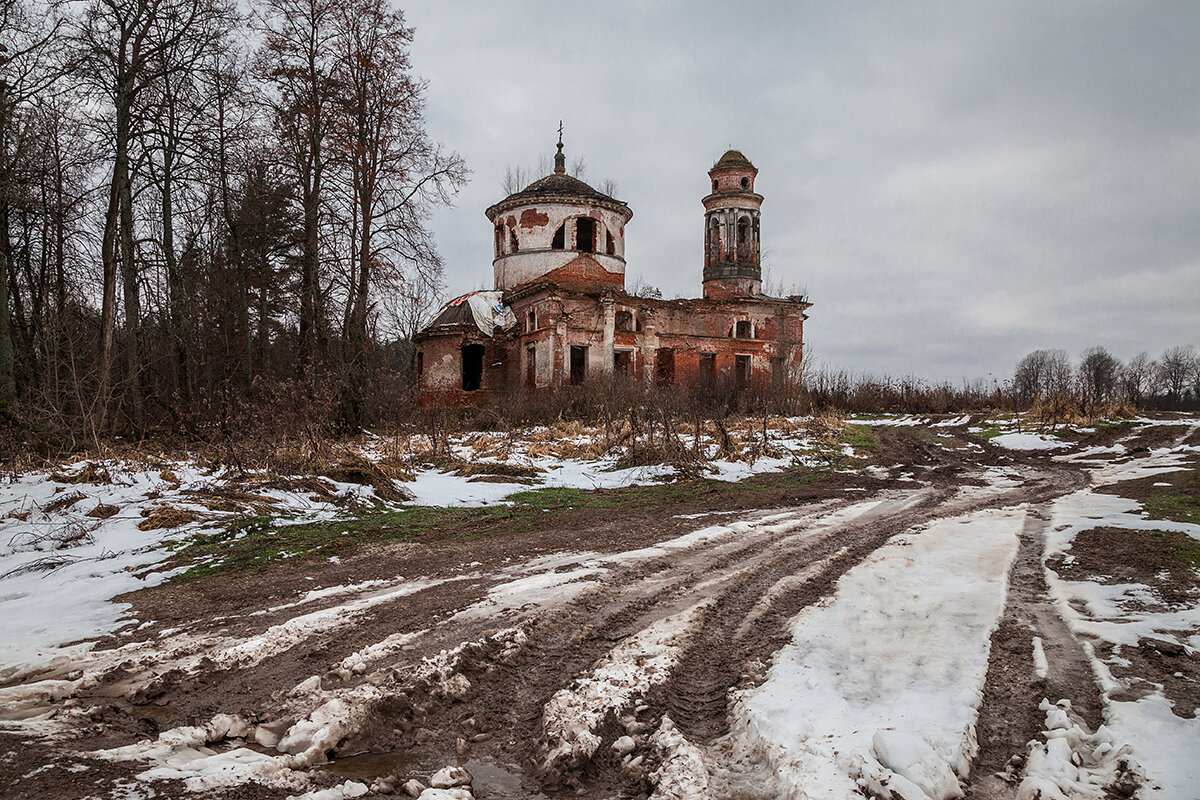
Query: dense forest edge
(214, 235)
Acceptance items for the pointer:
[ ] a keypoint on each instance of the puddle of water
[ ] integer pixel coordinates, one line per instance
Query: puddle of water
(366, 766)
(490, 782)
(496, 783)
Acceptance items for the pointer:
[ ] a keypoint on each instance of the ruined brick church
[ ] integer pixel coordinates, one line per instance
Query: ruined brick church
(559, 313)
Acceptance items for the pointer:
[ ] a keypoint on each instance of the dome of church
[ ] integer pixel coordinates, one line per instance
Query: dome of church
(733, 158)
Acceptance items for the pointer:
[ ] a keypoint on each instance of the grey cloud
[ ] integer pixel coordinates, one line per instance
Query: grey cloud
(955, 184)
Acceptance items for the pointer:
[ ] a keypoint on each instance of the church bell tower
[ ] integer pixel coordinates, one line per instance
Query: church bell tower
(732, 261)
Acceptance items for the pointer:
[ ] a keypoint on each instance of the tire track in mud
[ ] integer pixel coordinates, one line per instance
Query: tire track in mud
(507, 700)
(1009, 716)
(697, 698)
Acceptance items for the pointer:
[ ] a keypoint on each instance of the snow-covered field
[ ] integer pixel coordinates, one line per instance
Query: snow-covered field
(878, 689)
(67, 548)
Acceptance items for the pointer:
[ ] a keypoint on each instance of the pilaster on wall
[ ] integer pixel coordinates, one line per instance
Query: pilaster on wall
(608, 321)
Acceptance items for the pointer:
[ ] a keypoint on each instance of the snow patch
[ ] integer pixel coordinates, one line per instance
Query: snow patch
(873, 659)
(1073, 764)
(644, 660)
(1027, 441)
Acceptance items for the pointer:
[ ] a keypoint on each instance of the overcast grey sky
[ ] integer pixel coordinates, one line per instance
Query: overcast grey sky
(954, 184)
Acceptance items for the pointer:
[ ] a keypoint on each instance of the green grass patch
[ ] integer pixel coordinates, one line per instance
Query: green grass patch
(1177, 499)
(258, 543)
(861, 437)
(1178, 506)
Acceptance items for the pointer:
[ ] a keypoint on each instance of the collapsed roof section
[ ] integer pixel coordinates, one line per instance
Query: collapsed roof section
(484, 310)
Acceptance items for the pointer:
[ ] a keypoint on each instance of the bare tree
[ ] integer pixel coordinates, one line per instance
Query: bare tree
(1176, 368)
(298, 59)
(578, 168)
(394, 171)
(515, 179)
(1137, 378)
(26, 71)
(1098, 371)
(1042, 373)
(125, 49)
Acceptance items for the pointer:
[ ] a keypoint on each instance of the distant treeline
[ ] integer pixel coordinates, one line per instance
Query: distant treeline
(210, 211)
(1045, 379)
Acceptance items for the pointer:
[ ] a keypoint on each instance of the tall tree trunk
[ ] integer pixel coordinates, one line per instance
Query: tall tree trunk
(7, 383)
(129, 276)
(109, 254)
(177, 296)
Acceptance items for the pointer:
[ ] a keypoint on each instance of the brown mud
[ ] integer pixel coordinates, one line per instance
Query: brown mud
(767, 573)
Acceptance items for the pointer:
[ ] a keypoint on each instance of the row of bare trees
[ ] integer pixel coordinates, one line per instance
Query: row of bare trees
(1172, 381)
(201, 197)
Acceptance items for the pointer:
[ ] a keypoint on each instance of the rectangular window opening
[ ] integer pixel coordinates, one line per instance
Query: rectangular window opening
(531, 321)
(585, 235)
(531, 368)
(624, 322)
(742, 329)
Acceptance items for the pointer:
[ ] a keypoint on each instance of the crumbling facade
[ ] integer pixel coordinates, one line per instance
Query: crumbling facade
(559, 313)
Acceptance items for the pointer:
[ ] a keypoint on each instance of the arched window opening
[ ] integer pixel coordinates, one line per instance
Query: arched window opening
(714, 233)
(743, 230)
(560, 237)
(585, 235)
(499, 240)
(610, 244)
(714, 184)
(513, 247)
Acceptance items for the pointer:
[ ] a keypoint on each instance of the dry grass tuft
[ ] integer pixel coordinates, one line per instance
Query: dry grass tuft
(89, 474)
(63, 502)
(166, 517)
(355, 468)
(101, 511)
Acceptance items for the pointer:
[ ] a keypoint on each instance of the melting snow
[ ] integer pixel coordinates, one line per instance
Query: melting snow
(868, 688)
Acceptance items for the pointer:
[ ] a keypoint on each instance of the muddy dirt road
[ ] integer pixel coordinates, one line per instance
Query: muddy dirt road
(603, 662)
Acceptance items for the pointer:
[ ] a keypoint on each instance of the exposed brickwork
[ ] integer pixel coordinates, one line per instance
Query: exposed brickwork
(563, 298)
(532, 218)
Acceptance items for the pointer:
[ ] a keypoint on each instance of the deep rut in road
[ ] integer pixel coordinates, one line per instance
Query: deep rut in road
(771, 576)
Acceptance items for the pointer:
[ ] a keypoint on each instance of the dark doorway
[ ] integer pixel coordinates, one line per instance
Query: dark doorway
(578, 364)
(585, 235)
(472, 367)
(708, 369)
(664, 366)
(741, 371)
